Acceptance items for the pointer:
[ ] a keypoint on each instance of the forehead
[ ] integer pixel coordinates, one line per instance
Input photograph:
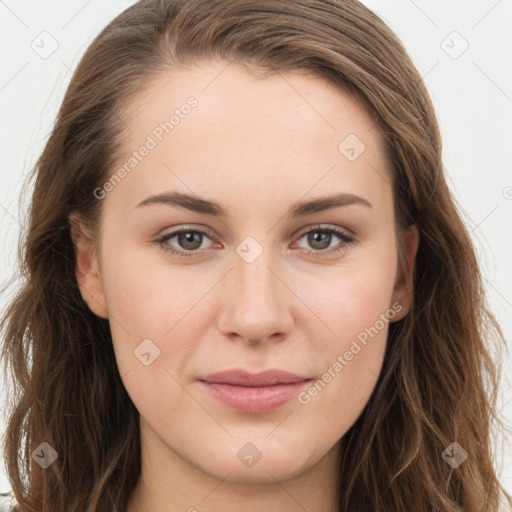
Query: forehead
(216, 127)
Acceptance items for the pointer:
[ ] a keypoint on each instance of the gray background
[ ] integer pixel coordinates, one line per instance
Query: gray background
(462, 49)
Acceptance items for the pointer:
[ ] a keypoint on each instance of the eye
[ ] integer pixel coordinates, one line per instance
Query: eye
(320, 238)
(190, 241)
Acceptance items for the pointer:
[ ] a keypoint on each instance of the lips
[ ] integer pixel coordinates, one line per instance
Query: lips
(244, 378)
(254, 393)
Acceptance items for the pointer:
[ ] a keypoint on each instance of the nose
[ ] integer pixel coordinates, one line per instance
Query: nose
(255, 302)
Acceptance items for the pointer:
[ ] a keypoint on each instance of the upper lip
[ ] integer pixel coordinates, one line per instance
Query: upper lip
(238, 377)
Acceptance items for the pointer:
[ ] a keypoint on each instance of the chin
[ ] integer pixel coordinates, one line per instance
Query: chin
(265, 467)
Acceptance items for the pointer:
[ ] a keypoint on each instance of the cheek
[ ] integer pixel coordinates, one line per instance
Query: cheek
(356, 311)
(152, 313)
(146, 294)
(149, 301)
(356, 297)
(351, 358)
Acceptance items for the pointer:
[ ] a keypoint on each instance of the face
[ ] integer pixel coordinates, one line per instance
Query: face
(269, 277)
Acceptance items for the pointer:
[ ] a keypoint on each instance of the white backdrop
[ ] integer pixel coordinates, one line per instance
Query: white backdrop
(462, 48)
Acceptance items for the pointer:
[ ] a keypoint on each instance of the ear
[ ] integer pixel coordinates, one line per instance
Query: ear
(86, 267)
(404, 286)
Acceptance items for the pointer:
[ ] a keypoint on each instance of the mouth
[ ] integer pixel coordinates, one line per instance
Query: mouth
(254, 393)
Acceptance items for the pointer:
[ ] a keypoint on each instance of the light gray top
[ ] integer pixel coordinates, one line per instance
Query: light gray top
(7, 503)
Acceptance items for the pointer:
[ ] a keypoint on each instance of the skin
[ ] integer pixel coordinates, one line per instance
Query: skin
(256, 147)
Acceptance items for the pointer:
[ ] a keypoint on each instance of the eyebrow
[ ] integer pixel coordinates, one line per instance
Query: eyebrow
(300, 209)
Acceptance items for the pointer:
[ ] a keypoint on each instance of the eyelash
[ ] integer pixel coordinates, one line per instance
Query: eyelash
(347, 240)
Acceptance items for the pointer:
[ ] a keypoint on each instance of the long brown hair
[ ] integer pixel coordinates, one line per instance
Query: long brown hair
(439, 382)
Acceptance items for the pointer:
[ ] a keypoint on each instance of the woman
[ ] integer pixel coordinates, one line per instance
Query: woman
(247, 282)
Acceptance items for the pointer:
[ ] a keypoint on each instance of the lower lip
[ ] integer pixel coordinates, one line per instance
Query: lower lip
(255, 399)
